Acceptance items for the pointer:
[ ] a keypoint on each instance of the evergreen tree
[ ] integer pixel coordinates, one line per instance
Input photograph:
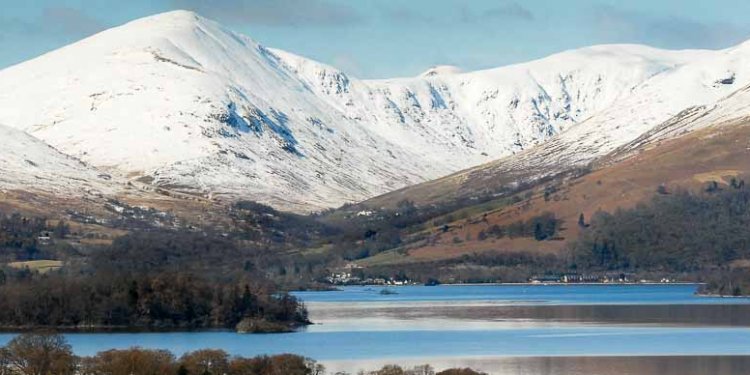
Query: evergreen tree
(61, 229)
(539, 234)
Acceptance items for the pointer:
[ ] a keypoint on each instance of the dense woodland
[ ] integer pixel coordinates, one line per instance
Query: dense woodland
(675, 232)
(50, 354)
(143, 301)
(705, 234)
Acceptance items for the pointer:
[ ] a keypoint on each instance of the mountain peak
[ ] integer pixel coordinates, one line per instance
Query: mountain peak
(441, 70)
(176, 22)
(173, 17)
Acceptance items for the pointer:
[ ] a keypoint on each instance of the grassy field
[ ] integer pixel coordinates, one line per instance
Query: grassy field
(40, 266)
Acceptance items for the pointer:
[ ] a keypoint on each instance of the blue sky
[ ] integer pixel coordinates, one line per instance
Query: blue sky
(387, 38)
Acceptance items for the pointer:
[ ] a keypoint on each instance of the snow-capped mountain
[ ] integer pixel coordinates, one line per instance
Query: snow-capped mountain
(180, 101)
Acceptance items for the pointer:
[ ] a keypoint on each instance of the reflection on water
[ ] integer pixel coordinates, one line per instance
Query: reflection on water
(586, 329)
(675, 365)
(560, 330)
(557, 294)
(435, 315)
(395, 345)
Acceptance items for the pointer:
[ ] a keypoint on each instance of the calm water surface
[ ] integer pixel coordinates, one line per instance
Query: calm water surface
(553, 294)
(638, 329)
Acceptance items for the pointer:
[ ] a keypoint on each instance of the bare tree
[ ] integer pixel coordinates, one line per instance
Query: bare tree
(129, 362)
(41, 354)
(207, 361)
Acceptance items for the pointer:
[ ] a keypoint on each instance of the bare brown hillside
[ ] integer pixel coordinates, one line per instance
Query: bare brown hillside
(689, 162)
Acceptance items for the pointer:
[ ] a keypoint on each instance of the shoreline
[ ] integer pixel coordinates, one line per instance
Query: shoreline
(573, 284)
(336, 287)
(540, 364)
(142, 330)
(710, 295)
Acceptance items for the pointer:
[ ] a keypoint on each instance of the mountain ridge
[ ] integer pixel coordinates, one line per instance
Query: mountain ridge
(178, 101)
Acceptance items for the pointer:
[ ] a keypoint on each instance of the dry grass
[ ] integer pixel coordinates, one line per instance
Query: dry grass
(723, 176)
(688, 162)
(40, 266)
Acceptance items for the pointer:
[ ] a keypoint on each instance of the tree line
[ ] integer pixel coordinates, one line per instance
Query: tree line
(677, 232)
(50, 354)
(146, 301)
(541, 227)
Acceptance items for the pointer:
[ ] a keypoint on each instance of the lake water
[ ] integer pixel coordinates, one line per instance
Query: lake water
(548, 294)
(502, 329)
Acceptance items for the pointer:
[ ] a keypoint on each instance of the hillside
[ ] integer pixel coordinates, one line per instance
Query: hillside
(628, 176)
(178, 102)
(26, 162)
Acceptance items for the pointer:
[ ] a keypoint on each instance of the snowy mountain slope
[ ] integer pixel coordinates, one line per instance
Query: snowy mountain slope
(179, 101)
(665, 98)
(712, 90)
(731, 110)
(29, 164)
(709, 90)
(498, 111)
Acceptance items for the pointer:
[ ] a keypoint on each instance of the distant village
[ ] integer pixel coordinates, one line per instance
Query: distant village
(348, 276)
(572, 278)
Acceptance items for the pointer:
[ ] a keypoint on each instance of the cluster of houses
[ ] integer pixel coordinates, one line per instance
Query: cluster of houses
(342, 278)
(591, 278)
(346, 278)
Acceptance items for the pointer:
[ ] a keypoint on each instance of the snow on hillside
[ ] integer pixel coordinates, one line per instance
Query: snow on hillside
(495, 112)
(27, 163)
(711, 89)
(180, 101)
